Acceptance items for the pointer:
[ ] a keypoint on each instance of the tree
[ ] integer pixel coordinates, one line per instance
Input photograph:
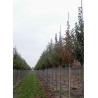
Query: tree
(79, 33)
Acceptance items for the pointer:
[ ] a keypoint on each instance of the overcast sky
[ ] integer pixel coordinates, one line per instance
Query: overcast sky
(35, 22)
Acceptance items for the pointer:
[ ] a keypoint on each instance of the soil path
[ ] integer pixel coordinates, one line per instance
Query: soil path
(48, 93)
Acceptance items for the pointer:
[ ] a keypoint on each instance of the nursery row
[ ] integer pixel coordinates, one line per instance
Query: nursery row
(65, 82)
(19, 62)
(68, 49)
(19, 74)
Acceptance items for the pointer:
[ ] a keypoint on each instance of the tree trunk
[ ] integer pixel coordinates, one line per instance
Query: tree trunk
(60, 80)
(69, 80)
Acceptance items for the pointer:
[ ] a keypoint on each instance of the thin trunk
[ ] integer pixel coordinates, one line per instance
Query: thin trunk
(65, 75)
(60, 80)
(47, 77)
(57, 76)
(19, 74)
(53, 77)
(83, 72)
(56, 79)
(78, 75)
(14, 75)
(44, 76)
(81, 78)
(73, 74)
(69, 80)
(50, 77)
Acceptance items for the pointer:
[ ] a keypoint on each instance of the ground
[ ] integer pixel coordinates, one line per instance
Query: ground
(31, 86)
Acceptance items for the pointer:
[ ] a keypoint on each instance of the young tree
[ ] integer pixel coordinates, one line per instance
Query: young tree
(79, 33)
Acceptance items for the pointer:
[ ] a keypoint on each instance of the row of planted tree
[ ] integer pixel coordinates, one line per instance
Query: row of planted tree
(64, 53)
(65, 50)
(20, 68)
(19, 74)
(63, 82)
(19, 62)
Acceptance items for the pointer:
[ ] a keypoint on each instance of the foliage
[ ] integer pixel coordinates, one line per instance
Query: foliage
(79, 34)
(18, 61)
(66, 50)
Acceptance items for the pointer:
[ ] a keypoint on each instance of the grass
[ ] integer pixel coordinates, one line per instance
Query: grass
(29, 87)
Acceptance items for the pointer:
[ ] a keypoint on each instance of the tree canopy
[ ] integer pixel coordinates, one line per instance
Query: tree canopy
(66, 50)
(18, 61)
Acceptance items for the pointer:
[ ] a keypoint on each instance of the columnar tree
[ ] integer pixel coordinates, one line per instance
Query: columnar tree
(79, 34)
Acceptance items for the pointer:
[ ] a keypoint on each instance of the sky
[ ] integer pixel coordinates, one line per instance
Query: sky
(35, 23)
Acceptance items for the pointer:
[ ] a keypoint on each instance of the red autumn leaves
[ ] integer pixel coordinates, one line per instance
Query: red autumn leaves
(66, 47)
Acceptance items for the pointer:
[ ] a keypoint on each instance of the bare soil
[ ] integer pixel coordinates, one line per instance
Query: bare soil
(75, 87)
(48, 92)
